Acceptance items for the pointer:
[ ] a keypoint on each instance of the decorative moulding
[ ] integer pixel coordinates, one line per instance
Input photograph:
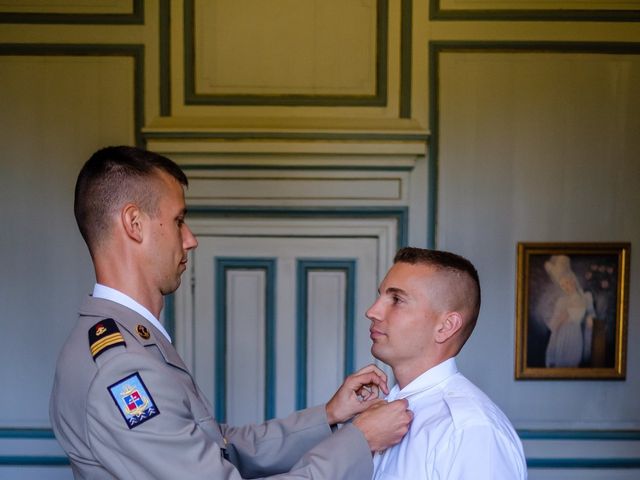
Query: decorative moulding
(287, 135)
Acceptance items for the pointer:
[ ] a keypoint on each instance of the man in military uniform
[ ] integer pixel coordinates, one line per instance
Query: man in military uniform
(124, 405)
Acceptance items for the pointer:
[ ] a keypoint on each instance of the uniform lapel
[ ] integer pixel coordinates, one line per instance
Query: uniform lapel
(169, 352)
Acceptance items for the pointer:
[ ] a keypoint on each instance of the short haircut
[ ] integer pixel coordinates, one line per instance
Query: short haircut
(112, 177)
(466, 277)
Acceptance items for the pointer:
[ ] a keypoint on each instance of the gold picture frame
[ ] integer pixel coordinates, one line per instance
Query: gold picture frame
(571, 310)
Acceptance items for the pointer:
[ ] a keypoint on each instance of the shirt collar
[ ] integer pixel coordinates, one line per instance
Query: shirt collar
(425, 381)
(108, 293)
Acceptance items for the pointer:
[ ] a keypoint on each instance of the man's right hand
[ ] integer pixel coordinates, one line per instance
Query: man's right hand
(384, 424)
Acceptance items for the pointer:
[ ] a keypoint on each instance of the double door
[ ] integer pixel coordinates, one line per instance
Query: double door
(273, 319)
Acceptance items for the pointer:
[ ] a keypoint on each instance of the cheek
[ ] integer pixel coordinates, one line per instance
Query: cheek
(410, 328)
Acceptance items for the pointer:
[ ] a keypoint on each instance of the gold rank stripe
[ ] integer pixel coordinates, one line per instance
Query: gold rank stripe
(107, 341)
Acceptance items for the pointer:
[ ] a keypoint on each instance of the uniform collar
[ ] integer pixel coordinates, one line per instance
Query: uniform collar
(131, 321)
(108, 293)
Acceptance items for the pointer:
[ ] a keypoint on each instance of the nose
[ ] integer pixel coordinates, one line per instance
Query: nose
(189, 240)
(373, 311)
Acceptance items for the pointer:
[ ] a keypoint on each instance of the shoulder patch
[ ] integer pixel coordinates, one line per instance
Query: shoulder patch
(133, 400)
(103, 336)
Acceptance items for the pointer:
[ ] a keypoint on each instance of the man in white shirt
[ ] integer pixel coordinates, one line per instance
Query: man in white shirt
(427, 308)
(124, 404)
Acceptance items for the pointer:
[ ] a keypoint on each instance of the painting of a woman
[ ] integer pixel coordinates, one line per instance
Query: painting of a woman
(571, 310)
(571, 320)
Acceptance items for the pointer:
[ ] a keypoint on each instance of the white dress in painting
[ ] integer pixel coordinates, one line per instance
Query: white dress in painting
(567, 342)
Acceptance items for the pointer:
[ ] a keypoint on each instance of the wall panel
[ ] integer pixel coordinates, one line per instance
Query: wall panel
(57, 109)
(330, 48)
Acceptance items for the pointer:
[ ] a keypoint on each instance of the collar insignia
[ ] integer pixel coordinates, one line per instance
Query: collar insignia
(143, 332)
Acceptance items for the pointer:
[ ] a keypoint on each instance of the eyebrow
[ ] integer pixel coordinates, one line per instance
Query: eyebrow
(394, 290)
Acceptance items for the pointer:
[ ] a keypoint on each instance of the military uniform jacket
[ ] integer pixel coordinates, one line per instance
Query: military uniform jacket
(124, 405)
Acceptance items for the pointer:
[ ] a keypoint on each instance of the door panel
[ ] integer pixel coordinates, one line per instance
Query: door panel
(279, 321)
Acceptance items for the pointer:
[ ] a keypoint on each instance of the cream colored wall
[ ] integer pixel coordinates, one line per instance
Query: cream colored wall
(522, 111)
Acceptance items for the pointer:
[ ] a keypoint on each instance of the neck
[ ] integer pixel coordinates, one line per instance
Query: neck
(124, 275)
(407, 373)
(153, 305)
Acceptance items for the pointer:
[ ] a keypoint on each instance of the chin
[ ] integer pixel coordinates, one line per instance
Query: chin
(170, 289)
(377, 354)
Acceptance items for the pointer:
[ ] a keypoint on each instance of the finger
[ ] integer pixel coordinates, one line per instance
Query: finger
(372, 404)
(363, 393)
(375, 403)
(371, 368)
(372, 378)
(394, 407)
(374, 390)
(400, 403)
(367, 392)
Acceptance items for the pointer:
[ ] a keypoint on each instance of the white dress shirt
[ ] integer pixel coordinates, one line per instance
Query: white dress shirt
(457, 433)
(108, 293)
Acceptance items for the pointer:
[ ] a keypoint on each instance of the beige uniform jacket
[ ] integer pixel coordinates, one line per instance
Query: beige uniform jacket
(135, 412)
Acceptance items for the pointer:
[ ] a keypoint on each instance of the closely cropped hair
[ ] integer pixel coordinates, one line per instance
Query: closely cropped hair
(444, 261)
(112, 177)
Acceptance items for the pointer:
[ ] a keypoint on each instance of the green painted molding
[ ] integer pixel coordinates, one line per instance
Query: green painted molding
(136, 17)
(436, 12)
(406, 31)
(29, 433)
(615, 435)
(15, 433)
(400, 214)
(35, 461)
(164, 42)
(525, 434)
(262, 135)
(613, 463)
(332, 168)
(269, 267)
(304, 266)
(551, 46)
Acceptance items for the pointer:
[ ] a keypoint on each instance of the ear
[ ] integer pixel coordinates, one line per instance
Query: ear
(450, 325)
(131, 218)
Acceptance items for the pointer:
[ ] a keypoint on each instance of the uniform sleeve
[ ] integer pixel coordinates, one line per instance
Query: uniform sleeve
(276, 445)
(480, 452)
(141, 424)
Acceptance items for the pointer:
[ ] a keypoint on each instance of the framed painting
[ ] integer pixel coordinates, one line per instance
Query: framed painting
(571, 310)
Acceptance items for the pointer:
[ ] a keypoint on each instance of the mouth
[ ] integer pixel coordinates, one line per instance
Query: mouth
(375, 334)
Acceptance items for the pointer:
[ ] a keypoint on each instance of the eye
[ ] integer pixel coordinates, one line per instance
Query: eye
(395, 299)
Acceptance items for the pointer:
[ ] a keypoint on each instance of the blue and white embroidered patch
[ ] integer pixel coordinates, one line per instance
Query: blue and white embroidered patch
(133, 400)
